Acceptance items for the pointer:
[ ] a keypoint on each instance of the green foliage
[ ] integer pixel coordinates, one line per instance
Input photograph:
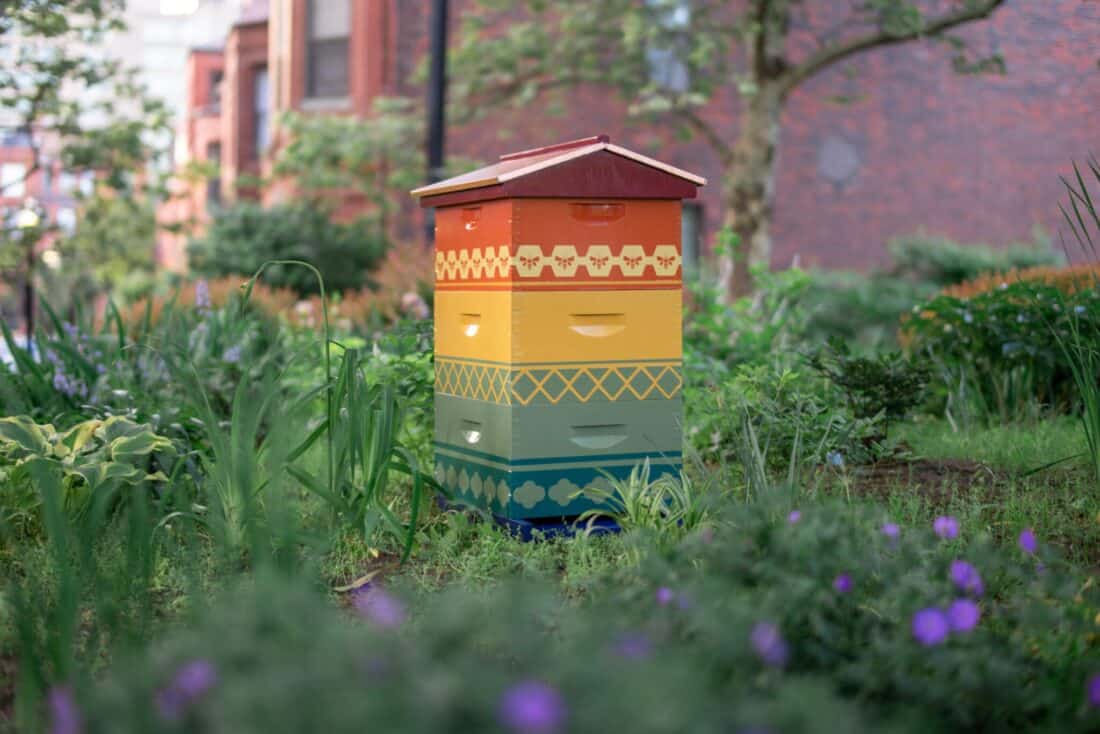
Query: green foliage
(942, 261)
(68, 97)
(111, 249)
(1080, 341)
(243, 237)
(381, 158)
(769, 417)
(718, 337)
(744, 623)
(999, 353)
(666, 506)
(96, 456)
(864, 309)
(885, 386)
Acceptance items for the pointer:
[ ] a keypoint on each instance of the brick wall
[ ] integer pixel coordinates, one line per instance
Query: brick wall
(916, 148)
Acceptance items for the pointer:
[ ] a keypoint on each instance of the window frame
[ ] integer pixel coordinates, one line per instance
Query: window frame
(314, 87)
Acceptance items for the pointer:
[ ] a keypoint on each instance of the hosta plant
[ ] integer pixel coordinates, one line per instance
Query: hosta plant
(92, 456)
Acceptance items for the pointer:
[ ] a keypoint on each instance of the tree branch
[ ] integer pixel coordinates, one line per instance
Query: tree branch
(877, 39)
(720, 147)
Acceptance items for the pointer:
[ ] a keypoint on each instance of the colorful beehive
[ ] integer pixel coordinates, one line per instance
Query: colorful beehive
(557, 326)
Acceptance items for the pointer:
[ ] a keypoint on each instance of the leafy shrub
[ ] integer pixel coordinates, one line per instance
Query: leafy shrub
(719, 336)
(862, 309)
(242, 238)
(821, 623)
(942, 261)
(885, 386)
(1068, 280)
(782, 416)
(999, 352)
(136, 371)
(91, 457)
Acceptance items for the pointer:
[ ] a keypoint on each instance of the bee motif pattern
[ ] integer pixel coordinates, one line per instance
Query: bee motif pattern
(529, 261)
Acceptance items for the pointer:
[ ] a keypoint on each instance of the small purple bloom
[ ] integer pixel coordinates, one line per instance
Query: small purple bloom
(769, 644)
(202, 295)
(64, 713)
(930, 626)
(794, 517)
(191, 682)
(1028, 541)
(633, 646)
(891, 530)
(946, 527)
(963, 615)
(966, 577)
(233, 354)
(1092, 689)
(532, 707)
(843, 583)
(381, 608)
(835, 458)
(664, 595)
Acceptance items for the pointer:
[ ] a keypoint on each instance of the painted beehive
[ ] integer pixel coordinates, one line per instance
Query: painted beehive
(557, 326)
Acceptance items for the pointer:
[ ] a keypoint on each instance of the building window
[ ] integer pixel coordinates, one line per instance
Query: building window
(691, 237)
(260, 112)
(214, 183)
(216, 89)
(13, 180)
(327, 48)
(667, 69)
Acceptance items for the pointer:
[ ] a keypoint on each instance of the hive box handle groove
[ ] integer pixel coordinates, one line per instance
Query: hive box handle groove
(598, 324)
(592, 213)
(599, 437)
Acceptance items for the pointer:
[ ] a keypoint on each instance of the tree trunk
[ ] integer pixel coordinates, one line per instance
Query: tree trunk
(749, 188)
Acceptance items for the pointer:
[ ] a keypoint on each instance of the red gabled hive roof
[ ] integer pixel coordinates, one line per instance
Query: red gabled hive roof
(589, 167)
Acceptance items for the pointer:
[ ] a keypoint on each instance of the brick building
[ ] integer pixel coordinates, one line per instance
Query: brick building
(914, 146)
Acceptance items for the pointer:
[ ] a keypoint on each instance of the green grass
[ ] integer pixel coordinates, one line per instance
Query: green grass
(1061, 503)
(1014, 447)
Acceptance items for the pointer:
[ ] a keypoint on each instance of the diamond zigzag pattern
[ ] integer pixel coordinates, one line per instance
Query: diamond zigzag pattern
(523, 385)
(563, 261)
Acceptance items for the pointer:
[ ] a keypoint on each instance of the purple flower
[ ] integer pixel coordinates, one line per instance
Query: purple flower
(843, 583)
(532, 707)
(963, 615)
(930, 626)
(190, 683)
(202, 295)
(946, 527)
(769, 644)
(633, 646)
(891, 530)
(1027, 541)
(64, 714)
(664, 595)
(1092, 690)
(966, 577)
(794, 517)
(233, 354)
(835, 458)
(383, 609)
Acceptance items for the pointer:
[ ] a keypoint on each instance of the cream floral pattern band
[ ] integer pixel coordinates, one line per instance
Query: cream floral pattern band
(563, 261)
